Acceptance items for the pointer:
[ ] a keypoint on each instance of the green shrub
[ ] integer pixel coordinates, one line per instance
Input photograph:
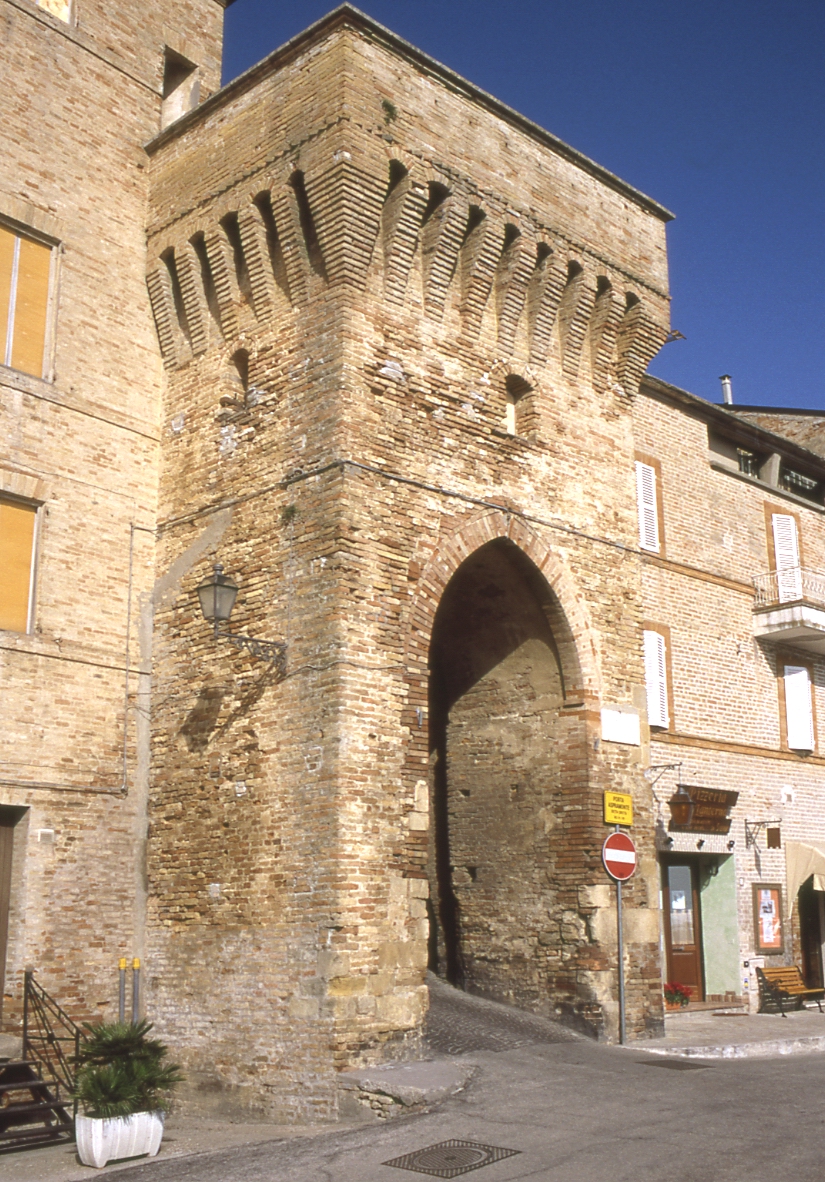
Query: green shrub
(122, 1071)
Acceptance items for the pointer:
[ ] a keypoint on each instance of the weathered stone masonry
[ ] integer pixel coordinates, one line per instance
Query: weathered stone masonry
(390, 360)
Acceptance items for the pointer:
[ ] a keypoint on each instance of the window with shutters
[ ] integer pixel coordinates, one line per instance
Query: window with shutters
(657, 679)
(18, 536)
(25, 285)
(784, 553)
(797, 703)
(649, 504)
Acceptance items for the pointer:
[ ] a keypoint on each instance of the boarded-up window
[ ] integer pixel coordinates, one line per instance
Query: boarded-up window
(799, 715)
(62, 9)
(25, 267)
(656, 678)
(786, 556)
(647, 504)
(17, 533)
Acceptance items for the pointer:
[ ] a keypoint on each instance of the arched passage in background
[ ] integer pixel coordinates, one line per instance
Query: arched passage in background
(502, 758)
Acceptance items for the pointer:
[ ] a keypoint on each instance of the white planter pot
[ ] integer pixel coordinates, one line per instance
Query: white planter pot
(101, 1140)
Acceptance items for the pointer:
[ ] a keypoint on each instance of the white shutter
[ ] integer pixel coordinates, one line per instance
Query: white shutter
(786, 553)
(798, 708)
(646, 504)
(656, 678)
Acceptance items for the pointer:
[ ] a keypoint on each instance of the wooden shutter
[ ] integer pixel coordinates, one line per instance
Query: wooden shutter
(799, 715)
(647, 506)
(786, 556)
(16, 556)
(31, 305)
(656, 678)
(8, 243)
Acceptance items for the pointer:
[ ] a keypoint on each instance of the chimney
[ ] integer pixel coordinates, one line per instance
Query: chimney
(727, 392)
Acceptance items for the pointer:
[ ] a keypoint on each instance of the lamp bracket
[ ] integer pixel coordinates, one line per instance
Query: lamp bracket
(754, 828)
(264, 650)
(661, 768)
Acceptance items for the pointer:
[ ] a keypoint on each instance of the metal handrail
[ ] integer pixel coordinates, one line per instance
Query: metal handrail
(47, 1032)
(790, 585)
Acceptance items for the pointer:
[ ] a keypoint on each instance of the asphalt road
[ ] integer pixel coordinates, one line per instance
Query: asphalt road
(573, 1111)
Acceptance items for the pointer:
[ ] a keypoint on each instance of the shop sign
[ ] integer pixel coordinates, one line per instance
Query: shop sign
(618, 808)
(694, 809)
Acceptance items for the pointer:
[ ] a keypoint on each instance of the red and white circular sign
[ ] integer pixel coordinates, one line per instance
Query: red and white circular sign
(619, 856)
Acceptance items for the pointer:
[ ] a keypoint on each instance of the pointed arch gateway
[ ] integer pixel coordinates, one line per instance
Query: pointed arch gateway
(513, 670)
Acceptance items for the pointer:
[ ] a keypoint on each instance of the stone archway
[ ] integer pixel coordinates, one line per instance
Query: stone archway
(507, 756)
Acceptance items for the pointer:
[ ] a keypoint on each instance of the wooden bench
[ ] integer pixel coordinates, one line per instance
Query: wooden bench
(784, 984)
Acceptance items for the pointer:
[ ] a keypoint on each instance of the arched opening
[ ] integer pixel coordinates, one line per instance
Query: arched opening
(501, 755)
(519, 410)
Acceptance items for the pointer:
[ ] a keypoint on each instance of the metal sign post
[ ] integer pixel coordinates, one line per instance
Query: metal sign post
(619, 857)
(622, 1027)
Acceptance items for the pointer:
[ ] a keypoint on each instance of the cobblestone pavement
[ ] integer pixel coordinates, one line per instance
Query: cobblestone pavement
(458, 1024)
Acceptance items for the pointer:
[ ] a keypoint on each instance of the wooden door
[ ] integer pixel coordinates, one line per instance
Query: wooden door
(6, 846)
(683, 930)
(810, 934)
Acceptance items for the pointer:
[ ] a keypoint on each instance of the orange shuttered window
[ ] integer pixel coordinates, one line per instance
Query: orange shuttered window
(16, 555)
(25, 266)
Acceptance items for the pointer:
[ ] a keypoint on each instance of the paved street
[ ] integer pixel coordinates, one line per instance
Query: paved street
(573, 1111)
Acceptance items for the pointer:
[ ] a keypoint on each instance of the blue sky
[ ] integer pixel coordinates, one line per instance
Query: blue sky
(714, 109)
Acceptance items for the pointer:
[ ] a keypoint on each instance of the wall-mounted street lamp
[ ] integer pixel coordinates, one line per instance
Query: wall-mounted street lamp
(681, 808)
(217, 598)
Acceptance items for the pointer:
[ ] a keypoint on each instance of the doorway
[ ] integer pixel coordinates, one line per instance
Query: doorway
(683, 925)
(496, 694)
(9, 817)
(811, 907)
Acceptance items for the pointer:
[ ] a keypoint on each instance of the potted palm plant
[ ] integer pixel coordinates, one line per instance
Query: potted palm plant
(122, 1088)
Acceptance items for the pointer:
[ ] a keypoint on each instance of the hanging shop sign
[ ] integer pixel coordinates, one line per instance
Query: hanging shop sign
(694, 809)
(618, 808)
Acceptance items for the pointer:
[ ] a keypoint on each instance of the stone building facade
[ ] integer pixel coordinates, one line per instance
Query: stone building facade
(395, 386)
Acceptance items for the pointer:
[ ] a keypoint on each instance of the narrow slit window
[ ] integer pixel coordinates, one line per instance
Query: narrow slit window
(517, 405)
(655, 652)
(17, 544)
(25, 270)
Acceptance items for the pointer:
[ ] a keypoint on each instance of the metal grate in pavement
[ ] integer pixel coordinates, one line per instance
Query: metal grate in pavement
(675, 1064)
(450, 1158)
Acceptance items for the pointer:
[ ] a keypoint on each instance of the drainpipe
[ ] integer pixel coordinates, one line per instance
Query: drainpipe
(727, 391)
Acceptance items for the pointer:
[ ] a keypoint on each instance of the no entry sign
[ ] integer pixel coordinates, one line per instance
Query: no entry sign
(619, 856)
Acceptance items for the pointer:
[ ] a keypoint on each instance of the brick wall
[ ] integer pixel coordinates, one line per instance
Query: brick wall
(80, 101)
(363, 466)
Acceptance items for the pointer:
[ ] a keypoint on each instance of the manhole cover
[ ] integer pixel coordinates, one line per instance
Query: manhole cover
(676, 1064)
(448, 1159)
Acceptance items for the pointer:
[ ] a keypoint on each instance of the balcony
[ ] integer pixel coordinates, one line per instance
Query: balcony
(789, 608)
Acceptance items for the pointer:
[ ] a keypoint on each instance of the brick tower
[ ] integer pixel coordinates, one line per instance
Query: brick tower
(403, 331)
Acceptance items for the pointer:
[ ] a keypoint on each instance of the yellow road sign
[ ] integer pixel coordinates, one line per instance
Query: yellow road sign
(618, 808)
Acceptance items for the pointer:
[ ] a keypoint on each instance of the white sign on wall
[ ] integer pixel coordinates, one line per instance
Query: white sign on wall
(621, 726)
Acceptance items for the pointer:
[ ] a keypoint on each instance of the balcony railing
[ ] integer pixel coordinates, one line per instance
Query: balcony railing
(795, 584)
